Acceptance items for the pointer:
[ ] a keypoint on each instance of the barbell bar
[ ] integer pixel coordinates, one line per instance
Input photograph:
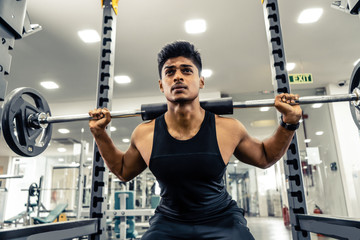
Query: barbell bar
(27, 125)
(220, 106)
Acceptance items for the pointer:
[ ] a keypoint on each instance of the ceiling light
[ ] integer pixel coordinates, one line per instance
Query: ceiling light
(317, 105)
(89, 159)
(307, 140)
(264, 109)
(195, 26)
(89, 36)
(319, 133)
(310, 15)
(126, 140)
(63, 130)
(49, 85)
(61, 149)
(112, 129)
(122, 79)
(356, 62)
(206, 73)
(61, 159)
(290, 66)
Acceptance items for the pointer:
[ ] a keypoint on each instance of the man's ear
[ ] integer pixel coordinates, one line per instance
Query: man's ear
(161, 86)
(202, 82)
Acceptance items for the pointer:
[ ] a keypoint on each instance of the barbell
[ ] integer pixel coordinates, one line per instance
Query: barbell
(27, 121)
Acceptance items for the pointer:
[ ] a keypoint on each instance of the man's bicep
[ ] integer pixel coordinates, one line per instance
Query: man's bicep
(250, 150)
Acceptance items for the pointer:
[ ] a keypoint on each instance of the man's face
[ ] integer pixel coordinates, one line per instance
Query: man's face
(180, 80)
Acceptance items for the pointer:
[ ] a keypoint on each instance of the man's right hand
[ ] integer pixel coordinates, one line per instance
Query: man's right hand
(100, 119)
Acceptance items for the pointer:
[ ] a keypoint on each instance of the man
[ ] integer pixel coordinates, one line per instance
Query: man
(188, 149)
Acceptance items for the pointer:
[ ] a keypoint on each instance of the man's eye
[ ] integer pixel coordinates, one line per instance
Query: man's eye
(187, 70)
(169, 72)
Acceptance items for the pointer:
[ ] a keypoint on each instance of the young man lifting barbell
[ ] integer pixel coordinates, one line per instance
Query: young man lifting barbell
(187, 149)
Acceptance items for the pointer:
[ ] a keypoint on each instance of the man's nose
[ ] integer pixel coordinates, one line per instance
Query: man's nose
(178, 76)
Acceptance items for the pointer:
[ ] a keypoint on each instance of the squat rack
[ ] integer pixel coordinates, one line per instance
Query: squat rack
(94, 227)
(301, 223)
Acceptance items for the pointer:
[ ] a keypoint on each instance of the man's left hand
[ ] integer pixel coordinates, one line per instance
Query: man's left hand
(285, 104)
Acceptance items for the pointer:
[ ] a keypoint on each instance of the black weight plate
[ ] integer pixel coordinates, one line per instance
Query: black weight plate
(22, 138)
(355, 83)
(33, 190)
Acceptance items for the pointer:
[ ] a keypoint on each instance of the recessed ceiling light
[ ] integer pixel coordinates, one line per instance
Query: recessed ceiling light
(112, 129)
(126, 140)
(356, 62)
(290, 66)
(317, 105)
(61, 149)
(61, 159)
(319, 133)
(195, 26)
(307, 140)
(310, 15)
(49, 85)
(264, 109)
(206, 73)
(63, 130)
(122, 79)
(89, 36)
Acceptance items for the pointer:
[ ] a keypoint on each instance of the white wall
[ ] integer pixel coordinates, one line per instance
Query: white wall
(4, 162)
(32, 169)
(348, 148)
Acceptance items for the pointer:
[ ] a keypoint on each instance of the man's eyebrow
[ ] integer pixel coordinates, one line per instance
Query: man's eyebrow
(182, 65)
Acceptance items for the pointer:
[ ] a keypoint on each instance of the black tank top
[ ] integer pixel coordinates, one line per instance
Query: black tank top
(190, 174)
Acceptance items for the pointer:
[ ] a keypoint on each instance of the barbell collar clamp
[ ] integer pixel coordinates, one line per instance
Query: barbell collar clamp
(356, 102)
(38, 120)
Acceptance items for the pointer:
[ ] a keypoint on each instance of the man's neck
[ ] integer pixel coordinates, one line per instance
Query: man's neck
(184, 116)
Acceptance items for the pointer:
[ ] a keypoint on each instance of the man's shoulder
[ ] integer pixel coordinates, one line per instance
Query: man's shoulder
(144, 128)
(226, 120)
(228, 123)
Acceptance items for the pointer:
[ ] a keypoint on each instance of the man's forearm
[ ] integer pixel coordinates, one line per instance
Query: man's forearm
(275, 147)
(111, 155)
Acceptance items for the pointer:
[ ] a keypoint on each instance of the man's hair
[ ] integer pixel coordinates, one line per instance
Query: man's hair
(179, 49)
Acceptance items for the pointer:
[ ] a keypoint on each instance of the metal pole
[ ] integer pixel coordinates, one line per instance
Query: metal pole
(292, 162)
(302, 100)
(82, 117)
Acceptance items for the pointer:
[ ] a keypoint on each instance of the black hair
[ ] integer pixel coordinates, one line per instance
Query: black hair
(179, 49)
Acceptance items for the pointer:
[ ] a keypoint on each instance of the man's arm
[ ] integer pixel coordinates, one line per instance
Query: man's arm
(125, 165)
(264, 154)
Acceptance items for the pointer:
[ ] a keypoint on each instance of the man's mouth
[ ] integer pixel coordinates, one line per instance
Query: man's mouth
(178, 87)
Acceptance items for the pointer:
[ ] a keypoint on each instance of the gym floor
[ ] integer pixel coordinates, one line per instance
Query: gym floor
(271, 228)
(266, 228)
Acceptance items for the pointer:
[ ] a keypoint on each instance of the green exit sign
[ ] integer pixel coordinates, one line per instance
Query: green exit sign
(300, 78)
